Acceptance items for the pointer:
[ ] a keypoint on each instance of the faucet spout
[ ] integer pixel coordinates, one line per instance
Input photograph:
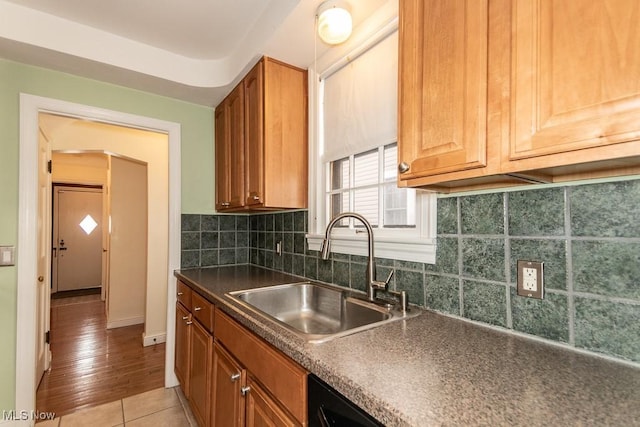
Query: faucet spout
(371, 283)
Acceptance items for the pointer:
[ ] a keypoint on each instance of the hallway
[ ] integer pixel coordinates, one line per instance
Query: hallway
(92, 365)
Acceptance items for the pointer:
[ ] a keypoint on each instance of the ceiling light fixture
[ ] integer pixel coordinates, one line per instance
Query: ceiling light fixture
(334, 21)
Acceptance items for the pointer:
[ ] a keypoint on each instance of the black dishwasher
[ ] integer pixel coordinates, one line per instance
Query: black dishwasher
(328, 408)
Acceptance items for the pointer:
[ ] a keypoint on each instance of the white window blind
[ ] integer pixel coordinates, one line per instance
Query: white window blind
(360, 102)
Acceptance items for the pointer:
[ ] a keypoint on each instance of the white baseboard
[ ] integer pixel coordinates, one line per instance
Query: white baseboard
(148, 340)
(125, 322)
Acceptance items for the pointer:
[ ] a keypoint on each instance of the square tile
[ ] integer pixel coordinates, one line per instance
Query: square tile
(443, 294)
(190, 222)
(50, 423)
(607, 268)
(109, 414)
(482, 214)
(606, 210)
(608, 327)
(171, 417)
(483, 259)
(536, 212)
(209, 223)
(149, 402)
(546, 318)
(485, 302)
(227, 222)
(413, 283)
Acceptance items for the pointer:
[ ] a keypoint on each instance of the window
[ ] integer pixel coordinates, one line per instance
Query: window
(366, 183)
(355, 158)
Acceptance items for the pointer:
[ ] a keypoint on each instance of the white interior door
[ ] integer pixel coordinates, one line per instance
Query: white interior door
(43, 293)
(78, 238)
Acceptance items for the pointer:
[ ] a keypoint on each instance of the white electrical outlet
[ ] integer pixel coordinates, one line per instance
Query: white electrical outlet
(530, 279)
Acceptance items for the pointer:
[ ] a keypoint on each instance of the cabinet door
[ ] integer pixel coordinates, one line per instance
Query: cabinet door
(262, 411)
(223, 157)
(442, 86)
(200, 373)
(236, 169)
(575, 77)
(183, 347)
(254, 134)
(228, 408)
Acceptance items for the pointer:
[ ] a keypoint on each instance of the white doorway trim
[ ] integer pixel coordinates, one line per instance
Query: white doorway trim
(30, 106)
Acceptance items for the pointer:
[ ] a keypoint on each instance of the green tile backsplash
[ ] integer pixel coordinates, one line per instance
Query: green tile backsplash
(587, 235)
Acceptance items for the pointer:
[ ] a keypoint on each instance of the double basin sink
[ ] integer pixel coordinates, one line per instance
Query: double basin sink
(317, 312)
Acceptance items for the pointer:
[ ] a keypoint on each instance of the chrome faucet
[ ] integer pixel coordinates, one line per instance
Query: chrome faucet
(372, 285)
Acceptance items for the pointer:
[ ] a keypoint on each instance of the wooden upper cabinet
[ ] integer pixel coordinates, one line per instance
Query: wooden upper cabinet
(276, 135)
(230, 150)
(223, 157)
(506, 92)
(576, 79)
(442, 86)
(254, 135)
(267, 163)
(236, 169)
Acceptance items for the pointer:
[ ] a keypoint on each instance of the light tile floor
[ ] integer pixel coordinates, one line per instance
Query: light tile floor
(163, 407)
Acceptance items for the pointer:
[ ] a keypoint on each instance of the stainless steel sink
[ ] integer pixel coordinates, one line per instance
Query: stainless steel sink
(316, 312)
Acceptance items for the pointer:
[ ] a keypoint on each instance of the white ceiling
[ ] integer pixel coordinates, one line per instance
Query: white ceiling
(195, 50)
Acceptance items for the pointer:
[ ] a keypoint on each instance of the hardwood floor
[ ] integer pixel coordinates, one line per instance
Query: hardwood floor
(92, 365)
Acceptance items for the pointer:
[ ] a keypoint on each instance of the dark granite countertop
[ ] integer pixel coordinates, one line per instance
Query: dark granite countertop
(437, 370)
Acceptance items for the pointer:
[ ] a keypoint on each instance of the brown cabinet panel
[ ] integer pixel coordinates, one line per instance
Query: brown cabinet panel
(200, 364)
(223, 157)
(254, 135)
(183, 347)
(262, 411)
(575, 76)
(183, 294)
(442, 86)
(228, 408)
(236, 168)
(202, 310)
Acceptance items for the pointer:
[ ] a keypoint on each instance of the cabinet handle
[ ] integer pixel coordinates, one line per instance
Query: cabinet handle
(225, 204)
(245, 390)
(185, 317)
(197, 308)
(180, 294)
(256, 197)
(189, 322)
(404, 167)
(235, 377)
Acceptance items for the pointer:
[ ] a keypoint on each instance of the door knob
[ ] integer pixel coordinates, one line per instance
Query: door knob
(403, 167)
(40, 279)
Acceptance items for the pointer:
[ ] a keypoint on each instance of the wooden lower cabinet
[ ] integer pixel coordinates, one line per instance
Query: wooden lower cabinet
(262, 411)
(254, 384)
(201, 361)
(183, 347)
(228, 379)
(230, 376)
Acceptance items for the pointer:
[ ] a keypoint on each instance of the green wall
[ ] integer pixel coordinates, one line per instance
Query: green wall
(197, 166)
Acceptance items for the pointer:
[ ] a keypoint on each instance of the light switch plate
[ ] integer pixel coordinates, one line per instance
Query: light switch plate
(531, 279)
(7, 255)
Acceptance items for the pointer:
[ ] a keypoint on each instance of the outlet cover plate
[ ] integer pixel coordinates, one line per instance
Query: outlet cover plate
(531, 279)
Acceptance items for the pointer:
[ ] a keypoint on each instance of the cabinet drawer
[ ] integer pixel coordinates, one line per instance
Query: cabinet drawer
(202, 310)
(183, 294)
(285, 380)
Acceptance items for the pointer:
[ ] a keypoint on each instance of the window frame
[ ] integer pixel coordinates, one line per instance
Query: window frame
(411, 244)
